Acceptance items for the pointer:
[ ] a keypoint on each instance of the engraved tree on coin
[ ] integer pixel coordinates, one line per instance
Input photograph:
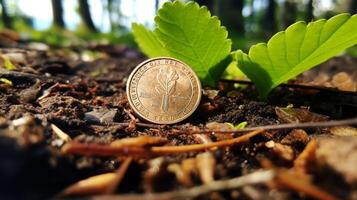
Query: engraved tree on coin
(166, 86)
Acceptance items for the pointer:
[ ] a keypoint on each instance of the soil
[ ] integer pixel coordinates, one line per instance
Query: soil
(84, 96)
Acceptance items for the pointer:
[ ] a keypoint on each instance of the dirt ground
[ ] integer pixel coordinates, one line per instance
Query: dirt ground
(66, 114)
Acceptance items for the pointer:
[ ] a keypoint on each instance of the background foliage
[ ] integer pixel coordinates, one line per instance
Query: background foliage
(247, 21)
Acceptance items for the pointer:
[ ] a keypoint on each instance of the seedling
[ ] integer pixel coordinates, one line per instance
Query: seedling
(6, 62)
(6, 81)
(189, 33)
(297, 49)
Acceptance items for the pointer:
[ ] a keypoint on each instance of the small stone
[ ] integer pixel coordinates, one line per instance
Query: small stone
(344, 82)
(296, 137)
(344, 131)
(211, 94)
(339, 155)
(101, 115)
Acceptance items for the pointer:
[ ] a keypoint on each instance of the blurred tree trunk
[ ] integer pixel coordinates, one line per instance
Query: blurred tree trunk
(309, 14)
(289, 13)
(353, 6)
(231, 15)
(6, 19)
(269, 20)
(57, 13)
(110, 14)
(156, 5)
(86, 15)
(208, 3)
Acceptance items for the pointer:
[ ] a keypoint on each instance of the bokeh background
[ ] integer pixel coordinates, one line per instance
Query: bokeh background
(73, 22)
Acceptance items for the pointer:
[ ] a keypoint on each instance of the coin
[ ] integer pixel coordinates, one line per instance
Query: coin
(163, 90)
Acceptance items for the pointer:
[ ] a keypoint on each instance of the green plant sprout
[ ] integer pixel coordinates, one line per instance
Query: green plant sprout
(188, 32)
(238, 126)
(7, 64)
(6, 81)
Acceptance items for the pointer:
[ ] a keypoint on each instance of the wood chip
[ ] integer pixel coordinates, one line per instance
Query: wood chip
(99, 184)
(305, 157)
(92, 185)
(344, 131)
(298, 115)
(62, 135)
(206, 163)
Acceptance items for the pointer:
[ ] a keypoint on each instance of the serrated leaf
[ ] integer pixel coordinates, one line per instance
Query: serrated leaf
(297, 49)
(148, 42)
(189, 33)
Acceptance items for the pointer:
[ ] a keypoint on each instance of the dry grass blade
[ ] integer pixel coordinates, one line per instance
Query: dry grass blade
(201, 147)
(100, 184)
(205, 163)
(62, 135)
(140, 141)
(191, 193)
(308, 154)
(101, 150)
(126, 146)
(92, 185)
(120, 175)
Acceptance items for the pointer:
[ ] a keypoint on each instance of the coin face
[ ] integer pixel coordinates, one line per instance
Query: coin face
(163, 90)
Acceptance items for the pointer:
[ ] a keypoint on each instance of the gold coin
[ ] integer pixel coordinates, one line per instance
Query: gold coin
(163, 90)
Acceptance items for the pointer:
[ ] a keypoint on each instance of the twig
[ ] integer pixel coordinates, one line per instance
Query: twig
(325, 124)
(190, 193)
(20, 75)
(299, 86)
(114, 150)
(101, 150)
(352, 121)
(141, 124)
(132, 117)
(200, 147)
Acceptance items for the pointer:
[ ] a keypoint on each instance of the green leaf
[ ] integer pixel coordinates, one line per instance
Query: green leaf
(189, 33)
(6, 81)
(147, 41)
(7, 64)
(239, 126)
(297, 49)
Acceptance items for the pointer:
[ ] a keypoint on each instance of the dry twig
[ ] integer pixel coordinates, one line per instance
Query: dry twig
(300, 163)
(140, 150)
(325, 124)
(201, 147)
